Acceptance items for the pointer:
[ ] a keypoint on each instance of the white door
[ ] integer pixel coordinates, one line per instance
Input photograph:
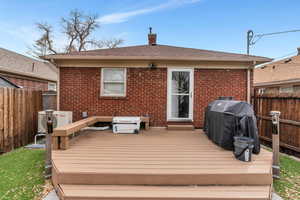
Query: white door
(180, 94)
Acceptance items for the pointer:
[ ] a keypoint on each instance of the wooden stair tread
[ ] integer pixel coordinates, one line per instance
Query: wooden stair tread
(188, 122)
(180, 127)
(162, 169)
(162, 177)
(114, 192)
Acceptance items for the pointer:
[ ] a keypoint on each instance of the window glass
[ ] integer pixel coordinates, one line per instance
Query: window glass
(180, 82)
(112, 75)
(296, 88)
(113, 82)
(113, 88)
(286, 90)
(52, 86)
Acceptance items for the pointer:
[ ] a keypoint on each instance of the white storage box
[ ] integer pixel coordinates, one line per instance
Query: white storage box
(126, 124)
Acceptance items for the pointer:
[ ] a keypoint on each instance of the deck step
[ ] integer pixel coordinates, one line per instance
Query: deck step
(154, 176)
(180, 127)
(156, 157)
(117, 192)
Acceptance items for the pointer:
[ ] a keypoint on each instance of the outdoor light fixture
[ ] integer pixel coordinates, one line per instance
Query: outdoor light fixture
(152, 66)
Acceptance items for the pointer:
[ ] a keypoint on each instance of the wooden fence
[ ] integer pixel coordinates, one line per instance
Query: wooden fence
(289, 106)
(18, 117)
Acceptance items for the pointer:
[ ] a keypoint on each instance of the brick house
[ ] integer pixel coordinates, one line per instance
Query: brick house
(282, 76)
(167, 83)
(24, 72)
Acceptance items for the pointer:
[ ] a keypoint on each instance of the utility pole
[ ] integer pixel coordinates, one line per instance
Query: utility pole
(253, 38)
(250, 35)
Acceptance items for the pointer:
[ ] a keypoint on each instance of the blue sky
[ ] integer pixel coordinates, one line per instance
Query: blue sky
(205, 24)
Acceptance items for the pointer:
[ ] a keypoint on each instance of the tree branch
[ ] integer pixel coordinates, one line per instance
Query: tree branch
(46, 40)
(78, 29)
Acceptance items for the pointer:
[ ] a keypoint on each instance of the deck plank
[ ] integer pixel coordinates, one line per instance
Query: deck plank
(117, 192)
(156, 157)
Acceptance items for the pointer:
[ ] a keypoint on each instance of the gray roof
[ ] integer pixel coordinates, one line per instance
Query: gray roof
(159, 52)
(15, 63)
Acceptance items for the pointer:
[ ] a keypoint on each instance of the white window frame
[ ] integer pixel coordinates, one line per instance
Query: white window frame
(102, 83)
(261, 90)
(53, 84)
(286, 89)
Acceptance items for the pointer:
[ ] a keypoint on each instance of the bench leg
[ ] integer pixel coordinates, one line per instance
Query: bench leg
(55, 145)
(64, 142)
(147, 125)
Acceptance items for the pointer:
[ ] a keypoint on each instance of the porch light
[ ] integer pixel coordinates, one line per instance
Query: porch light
(152, 65)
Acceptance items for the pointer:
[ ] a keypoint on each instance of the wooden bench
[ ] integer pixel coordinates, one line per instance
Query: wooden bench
(60, 136)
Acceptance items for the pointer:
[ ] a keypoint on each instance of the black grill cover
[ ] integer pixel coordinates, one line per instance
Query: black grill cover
(225, 119)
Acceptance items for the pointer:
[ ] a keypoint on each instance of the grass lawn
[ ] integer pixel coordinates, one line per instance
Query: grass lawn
(21, 174)
(288, 186)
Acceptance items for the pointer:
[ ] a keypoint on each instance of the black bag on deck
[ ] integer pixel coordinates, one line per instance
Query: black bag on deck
(225, 119)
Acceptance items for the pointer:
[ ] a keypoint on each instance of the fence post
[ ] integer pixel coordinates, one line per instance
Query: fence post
(48, 163)
(275, 143)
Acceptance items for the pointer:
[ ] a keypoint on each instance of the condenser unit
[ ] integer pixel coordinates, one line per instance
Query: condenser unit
(60, 118)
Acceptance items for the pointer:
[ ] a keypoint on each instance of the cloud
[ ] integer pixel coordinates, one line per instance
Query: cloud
(124, 16)
(21, 37)
(26, 33)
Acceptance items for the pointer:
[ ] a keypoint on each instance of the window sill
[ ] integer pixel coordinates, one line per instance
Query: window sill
(113, 97)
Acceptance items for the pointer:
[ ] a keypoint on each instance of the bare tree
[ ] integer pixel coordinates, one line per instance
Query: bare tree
(78, 29)
(113, 43)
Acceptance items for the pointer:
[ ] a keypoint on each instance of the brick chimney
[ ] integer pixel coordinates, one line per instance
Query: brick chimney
(151, 37)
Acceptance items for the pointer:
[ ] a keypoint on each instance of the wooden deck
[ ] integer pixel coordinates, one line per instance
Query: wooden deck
(157, 164)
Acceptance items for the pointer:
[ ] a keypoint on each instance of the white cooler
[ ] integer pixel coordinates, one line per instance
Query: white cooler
(126, 124)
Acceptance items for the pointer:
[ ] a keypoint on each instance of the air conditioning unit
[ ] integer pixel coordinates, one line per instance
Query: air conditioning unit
(60, 118)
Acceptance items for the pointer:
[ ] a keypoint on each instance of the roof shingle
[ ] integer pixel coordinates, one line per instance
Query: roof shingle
(159, 52)
(13, 62)
(283, 70)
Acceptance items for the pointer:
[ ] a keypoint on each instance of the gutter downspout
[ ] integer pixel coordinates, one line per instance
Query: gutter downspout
(249, 81)
(57, 83)
(248, 85)
(58, 89)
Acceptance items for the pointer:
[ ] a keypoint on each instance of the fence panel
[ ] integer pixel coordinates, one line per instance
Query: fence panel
(18, 117)
(289, 106)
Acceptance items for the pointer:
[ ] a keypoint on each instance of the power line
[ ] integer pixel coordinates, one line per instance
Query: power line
(254, 38)
(275, 33)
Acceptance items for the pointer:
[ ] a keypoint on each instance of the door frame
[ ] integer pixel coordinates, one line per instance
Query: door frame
(191, 103)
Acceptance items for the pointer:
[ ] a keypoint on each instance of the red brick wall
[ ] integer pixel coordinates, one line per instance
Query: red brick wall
(211, 84)
(29, 84)
(146, 92)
